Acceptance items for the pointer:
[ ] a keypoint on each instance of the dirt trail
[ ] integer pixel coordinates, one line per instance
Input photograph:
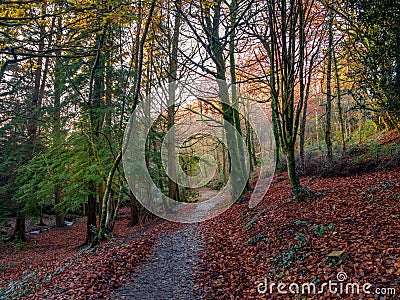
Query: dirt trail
(206, 193)
(170, 272)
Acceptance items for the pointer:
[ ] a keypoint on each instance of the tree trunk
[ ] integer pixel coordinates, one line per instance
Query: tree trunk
(291, 166)
(224, 164)
(91, 223)
(101, 195)
(276, 133)
(58, 86)
(19, 232)
(303, 93)
(328, 129)
(173, 190)
(235, 100)
(237, 172)
(134, 210)
(317, 128)
(249, 141)
(103, 230)
(216, 47)
(60, 219)
(339, 103)
(302, 135)
(117, 205)
(287, 40)
(110, 210)
(96, 93)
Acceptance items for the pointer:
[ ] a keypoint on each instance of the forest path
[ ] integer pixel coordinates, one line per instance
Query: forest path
(170, 272)
(206, 193)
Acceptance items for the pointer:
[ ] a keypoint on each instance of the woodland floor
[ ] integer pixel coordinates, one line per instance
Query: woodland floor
(225, 257)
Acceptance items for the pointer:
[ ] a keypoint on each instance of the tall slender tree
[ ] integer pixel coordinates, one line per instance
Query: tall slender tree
(291, 44)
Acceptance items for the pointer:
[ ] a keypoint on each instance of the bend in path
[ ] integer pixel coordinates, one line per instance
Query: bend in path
(206, 193)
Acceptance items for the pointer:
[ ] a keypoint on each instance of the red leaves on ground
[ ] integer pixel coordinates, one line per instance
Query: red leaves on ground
(54, 267)
(287, 241)
(281, 240)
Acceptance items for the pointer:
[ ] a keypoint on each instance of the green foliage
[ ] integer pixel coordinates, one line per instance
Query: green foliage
(14, 152)
(24, 287)
(386, 185)
(377, 24)
(300, 222)
(294, 252)
(361, 133)
(256, 239)
(319, 230)
(68, 165)
(188, 194)
(303, 194)
(286, 258)
(368, 191)
(252, 221)
(255, 218)
(190, 164)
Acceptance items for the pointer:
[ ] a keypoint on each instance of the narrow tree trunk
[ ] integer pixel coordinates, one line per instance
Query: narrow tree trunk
(173, 190)
(328, 126)
(249, 144)
(108, 94)
(302, 135)
(317, 129)
(60, 219)
(339, 103)
(134, 210)
(96, 92)
(291, 166)
(19, 231)
(103, 231)
(303, 93)
(117, 205)
(110, 210)
(91, 223)
(224, 164)
(101, 195)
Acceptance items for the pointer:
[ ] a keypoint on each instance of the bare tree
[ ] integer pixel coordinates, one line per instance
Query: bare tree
(216, 30)
(288, 34)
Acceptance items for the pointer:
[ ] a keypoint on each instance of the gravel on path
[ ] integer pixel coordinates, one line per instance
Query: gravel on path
(169, 274)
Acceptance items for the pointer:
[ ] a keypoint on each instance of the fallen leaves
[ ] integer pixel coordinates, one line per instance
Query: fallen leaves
(281, 240)
(51, 265)
(358, 215)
